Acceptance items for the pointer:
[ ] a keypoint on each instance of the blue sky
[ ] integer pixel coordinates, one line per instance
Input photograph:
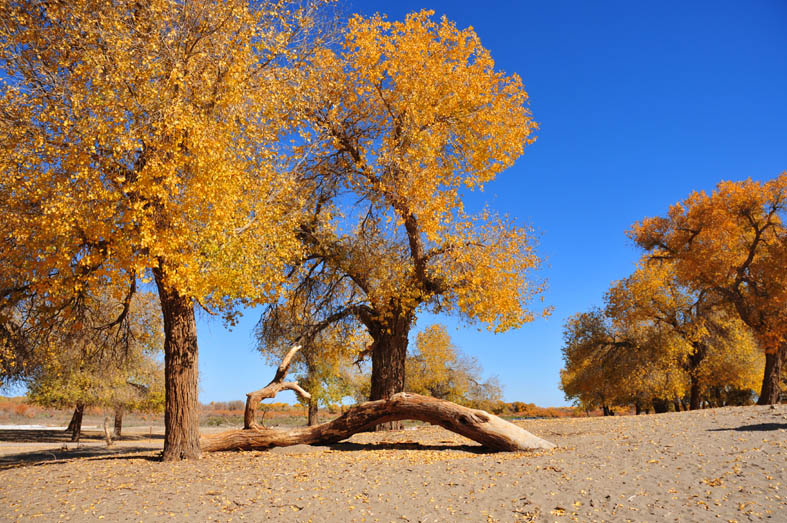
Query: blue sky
(639, 104)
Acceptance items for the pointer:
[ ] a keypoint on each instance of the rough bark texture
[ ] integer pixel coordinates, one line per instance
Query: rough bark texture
(487, 429)
(770, 392)
(118, 422)
(75, 426)
(181, 417)
(313, 413)
(389, 353)
(271, 389)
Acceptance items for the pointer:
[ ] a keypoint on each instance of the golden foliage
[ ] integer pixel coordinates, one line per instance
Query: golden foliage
(731, 243)
(140, 136)
(405, 118)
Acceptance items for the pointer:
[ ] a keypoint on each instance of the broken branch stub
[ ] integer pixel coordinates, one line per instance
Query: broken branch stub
(270, 390)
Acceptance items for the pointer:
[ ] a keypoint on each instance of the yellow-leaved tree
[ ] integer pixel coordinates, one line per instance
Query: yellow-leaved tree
(404, 119)
(700, 328)
(139, 140)
(439, 369)
(733, 243)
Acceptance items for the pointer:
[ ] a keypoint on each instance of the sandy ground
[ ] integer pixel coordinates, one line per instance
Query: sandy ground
(712, 465)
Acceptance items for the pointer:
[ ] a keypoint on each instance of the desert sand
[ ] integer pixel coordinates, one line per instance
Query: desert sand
(711, 465)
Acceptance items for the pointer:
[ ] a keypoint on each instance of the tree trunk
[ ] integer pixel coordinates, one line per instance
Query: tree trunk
(660, 406)
(71, 423)
(118, 421)
(389, 353)
(76, 422)
(770, 391)
(313, 413)
(637, 408)
(695, 358)
(487, 429)
(181, 417)
(694, 393)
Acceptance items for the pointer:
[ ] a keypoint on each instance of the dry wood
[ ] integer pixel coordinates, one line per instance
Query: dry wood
(271, 389)
(478, 425)
(107, 436)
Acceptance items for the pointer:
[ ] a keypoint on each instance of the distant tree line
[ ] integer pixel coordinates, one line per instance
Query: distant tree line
(701, 321)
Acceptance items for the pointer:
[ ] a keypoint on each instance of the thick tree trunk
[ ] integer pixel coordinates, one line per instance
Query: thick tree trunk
(76, 422)
(313, 413)
(487, 429)
(181, 417)
(389, 353)
(118, 422)
(770, 391)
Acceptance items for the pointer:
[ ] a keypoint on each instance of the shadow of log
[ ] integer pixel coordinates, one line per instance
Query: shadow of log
(356, 447)
(52, 456)
(757, 427)
(59, 436)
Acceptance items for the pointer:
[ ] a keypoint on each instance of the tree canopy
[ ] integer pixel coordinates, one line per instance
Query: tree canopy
(405, 119)
(732, 244)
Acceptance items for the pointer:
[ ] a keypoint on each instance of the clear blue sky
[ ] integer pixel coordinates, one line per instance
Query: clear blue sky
(639, 104)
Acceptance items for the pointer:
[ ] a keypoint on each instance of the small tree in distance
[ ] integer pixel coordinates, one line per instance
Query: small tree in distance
(437, 368)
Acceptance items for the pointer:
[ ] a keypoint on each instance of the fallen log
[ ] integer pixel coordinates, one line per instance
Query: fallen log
(478, 425)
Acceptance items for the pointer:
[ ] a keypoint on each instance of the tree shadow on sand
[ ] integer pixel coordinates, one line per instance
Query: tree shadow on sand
(61, 436)
(757, 427)
(92, 453)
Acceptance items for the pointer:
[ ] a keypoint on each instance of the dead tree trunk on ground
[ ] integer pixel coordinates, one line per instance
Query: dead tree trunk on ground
(478, 425)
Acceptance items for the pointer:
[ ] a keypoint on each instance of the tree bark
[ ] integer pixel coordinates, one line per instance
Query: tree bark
(771, 390)
(118, 421)
(181, 417)
(313, 413)
(389, 353)
(76, 422)
(487, 429)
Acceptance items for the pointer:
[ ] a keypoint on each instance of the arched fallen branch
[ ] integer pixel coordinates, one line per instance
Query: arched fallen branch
(478, 425)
